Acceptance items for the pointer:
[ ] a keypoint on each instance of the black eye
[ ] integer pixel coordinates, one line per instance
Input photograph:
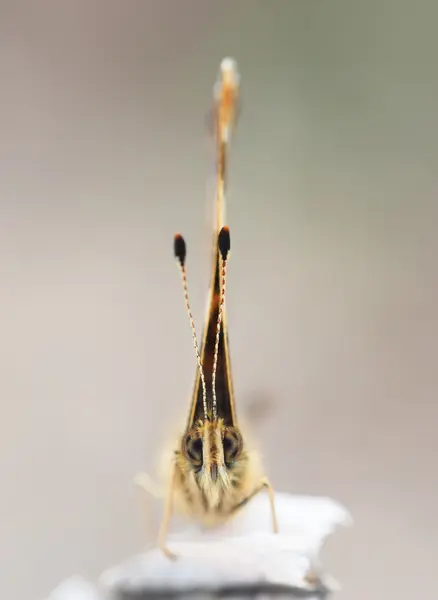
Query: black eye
(232, 444)
(192, 449)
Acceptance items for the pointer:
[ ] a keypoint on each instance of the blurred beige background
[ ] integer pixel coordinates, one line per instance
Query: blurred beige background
(333, 284)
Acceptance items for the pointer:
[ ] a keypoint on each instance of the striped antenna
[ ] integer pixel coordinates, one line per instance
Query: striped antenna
(224, 244)
(180, 251)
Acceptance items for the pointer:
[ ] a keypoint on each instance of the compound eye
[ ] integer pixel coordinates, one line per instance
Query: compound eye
(192, 448)
(233, 443)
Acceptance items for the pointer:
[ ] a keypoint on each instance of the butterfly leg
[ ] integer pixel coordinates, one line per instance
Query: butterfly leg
(144, 481)
(167, 515)
(264, 484)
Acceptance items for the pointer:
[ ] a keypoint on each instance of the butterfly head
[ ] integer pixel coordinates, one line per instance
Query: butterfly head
(212, 451)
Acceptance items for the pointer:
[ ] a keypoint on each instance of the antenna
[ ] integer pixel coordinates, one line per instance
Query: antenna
(224, 249)
(180, 251)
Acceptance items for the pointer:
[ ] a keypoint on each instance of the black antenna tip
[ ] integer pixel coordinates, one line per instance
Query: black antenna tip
(224, 242)
(179, 249)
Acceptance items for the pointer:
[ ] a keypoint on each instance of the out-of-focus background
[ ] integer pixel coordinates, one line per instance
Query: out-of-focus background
(333, 283)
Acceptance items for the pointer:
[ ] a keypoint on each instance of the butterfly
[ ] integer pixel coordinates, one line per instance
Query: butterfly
(212, 471)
